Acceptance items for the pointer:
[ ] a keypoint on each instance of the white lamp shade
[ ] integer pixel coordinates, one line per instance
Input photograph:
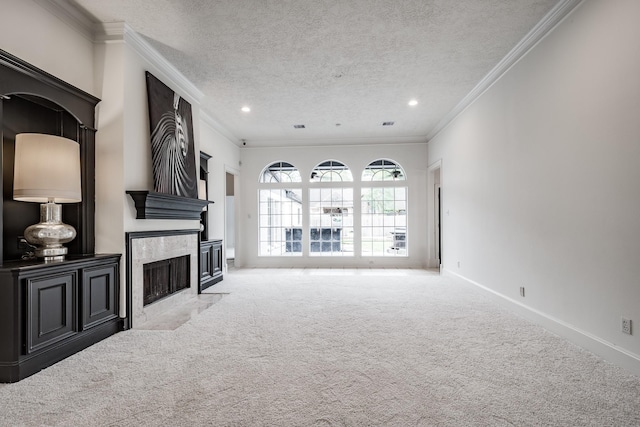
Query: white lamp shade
(46, 167)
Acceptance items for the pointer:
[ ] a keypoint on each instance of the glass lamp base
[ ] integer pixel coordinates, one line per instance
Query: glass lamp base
(50, 233)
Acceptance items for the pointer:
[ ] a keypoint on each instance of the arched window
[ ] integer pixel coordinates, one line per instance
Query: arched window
(383, 170)
(280, 172)
(384, 210)
(331, 171)
(331, 210)
(280, 211)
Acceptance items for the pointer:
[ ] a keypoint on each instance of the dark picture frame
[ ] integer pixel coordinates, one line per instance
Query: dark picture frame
(172, 144)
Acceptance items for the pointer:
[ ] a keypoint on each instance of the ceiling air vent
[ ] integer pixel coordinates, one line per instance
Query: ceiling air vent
(298, 126)
(388, 123)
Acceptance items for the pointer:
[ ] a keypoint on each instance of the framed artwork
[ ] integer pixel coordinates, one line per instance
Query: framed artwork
(172, 146)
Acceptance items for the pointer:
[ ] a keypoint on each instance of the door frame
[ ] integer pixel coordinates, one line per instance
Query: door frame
(434, 214)
(236, 174)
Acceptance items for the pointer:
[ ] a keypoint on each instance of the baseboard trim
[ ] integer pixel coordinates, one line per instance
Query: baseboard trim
(608, 351)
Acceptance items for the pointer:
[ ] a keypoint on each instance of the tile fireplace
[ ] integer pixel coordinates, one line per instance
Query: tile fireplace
(168, 262)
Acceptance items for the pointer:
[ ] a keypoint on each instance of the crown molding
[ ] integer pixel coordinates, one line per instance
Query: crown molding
(120, 32)
(111, 32)
(105, 32)
(364, 141)
(70, 15)
(544, 27)
(207, 119)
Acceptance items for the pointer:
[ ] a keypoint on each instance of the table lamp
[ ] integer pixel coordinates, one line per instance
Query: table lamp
(47, 171)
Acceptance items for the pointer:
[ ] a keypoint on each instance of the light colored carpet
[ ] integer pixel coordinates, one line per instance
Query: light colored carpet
(332, 350)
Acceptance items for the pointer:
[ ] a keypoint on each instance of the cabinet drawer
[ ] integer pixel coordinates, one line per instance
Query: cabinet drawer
(99, 295)
(52, 314)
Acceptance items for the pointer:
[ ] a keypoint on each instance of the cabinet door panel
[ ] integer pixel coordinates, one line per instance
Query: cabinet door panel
(206, 262)
(99, 299)
(216, 257)
(52, 314)
(210, 263)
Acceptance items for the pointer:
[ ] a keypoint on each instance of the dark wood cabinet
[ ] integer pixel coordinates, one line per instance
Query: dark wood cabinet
(49, 311)
(210, 263)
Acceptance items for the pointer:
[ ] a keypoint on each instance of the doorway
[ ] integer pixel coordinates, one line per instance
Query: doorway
(230, 228)
(438, 240)
(434, 215)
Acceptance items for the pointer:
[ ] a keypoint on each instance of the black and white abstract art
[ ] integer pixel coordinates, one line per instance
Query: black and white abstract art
(172, 145)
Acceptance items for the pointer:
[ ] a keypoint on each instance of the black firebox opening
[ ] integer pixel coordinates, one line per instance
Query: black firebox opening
(163, 278)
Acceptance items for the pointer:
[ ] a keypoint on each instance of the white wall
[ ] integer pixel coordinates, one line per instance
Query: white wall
(541, 178)
(230, 237)
(33, 34)
(225, 157)
(412, 157)
(110, 147)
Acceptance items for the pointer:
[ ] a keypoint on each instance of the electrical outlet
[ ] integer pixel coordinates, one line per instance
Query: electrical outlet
(626, 326)
(23, 245)
(522, 291)
(458, 264)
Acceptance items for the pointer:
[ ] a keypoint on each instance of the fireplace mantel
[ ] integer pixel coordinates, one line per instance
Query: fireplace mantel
(152, 205)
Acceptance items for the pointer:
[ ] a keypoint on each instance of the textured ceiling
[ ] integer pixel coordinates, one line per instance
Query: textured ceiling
(320, 63)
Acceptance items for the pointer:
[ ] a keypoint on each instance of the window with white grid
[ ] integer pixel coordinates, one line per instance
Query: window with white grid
(331, 210)
(383, 210)
(280, 211)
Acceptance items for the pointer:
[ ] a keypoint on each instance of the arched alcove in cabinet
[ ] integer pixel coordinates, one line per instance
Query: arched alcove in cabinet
(50, 310)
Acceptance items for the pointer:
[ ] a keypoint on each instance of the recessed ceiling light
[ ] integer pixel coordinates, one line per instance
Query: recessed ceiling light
(413, 102)
(246, 109)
